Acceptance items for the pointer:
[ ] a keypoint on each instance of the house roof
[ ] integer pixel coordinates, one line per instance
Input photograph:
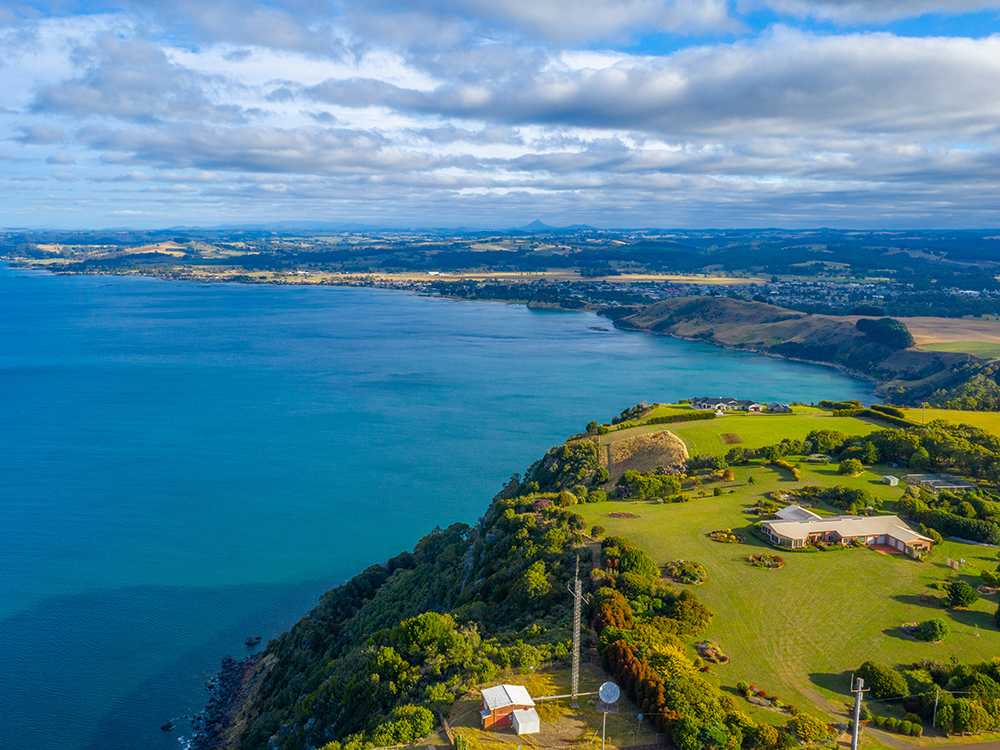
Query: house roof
(848, 526)
(506, 695)
(796, 513)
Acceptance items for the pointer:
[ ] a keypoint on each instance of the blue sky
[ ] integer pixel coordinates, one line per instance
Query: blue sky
(431, 113)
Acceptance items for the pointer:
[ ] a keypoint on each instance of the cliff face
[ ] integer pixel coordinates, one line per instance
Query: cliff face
(905, 376)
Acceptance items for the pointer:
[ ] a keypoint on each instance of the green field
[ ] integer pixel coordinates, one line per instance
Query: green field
(984, 349)
(753, 430)
(801, 630)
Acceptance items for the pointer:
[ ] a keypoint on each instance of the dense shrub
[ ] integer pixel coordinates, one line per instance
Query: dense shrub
(961, 594)
(850, 467)
(887, 331)
(932, 630)
(883, 681)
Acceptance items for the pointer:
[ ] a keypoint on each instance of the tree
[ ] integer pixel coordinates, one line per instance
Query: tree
(920, 458)
(533, 583)
(883, 681)
(869, 454)
(851, 467)
(591, 427)
(728, 475)
(826, 441)
(961, 594)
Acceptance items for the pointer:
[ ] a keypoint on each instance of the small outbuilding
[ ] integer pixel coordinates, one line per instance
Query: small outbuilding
(501, 702)
(526, 721)
(890, 480)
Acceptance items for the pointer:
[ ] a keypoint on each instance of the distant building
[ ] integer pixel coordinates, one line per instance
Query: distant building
(779, 408)
(797, 527)
(937, 482)
(508, 705)
(890, 480)
(726, 404)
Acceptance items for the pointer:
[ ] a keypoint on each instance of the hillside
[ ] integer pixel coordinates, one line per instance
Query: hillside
(387, 654)
(952, 379)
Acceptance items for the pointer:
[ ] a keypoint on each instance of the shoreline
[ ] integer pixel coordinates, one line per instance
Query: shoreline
(750, 350)
(374, 281)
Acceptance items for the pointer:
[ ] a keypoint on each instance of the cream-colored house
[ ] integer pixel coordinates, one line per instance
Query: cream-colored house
(797, 527)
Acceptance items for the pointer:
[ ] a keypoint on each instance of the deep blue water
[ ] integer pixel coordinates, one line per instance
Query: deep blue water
(185, 465)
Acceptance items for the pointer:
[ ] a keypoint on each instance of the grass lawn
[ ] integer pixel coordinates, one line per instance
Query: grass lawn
(984, 349)
(986, 420)
(757, 430)
(800, 631)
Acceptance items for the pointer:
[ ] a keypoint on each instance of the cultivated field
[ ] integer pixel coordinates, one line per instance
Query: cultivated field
(986, 420)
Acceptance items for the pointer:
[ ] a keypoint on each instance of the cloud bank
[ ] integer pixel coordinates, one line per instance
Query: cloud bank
(613, 112)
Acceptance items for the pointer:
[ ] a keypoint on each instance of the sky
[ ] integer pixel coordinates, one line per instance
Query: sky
(492, 113)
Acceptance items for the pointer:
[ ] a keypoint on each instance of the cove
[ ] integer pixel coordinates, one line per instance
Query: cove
(187, 465)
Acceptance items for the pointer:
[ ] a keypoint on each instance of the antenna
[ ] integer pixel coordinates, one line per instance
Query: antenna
(578, 598)
(857, 690)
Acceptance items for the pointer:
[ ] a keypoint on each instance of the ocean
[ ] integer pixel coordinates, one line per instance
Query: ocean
(185, 465)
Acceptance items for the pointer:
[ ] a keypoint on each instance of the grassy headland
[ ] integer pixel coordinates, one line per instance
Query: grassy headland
(402, 644)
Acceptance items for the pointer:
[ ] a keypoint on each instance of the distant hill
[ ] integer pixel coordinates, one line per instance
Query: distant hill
(907, 376)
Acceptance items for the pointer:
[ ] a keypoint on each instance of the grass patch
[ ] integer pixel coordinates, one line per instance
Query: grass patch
(984, 349)
(757, 430)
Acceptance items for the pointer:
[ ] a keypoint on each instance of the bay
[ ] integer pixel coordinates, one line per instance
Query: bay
(186, 465)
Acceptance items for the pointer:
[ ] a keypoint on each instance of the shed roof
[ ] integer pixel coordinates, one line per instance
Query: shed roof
(500, 696)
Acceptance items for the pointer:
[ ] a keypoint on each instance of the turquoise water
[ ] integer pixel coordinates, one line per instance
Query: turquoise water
(185, 465)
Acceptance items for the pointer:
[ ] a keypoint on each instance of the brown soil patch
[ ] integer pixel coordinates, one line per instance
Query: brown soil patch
(645, 452)
(731, 438)
(621, 515)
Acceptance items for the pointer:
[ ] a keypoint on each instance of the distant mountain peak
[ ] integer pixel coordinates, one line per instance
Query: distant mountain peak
(536, 226)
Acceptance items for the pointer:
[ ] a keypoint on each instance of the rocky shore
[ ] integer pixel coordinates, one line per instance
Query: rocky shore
(227, 691)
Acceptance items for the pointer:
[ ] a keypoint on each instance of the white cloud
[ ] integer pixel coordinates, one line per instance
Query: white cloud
(861, 11)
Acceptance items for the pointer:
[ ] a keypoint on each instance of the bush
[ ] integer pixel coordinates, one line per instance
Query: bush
(883, 681)
(961, 594)
(850, 467)
(597, 531)
(932, 630)
(905, 726)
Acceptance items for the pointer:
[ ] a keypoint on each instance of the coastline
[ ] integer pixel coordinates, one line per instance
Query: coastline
(420, 288)
(750, 350)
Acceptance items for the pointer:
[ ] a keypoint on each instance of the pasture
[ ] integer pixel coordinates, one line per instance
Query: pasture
(751, 430)
(799, 632)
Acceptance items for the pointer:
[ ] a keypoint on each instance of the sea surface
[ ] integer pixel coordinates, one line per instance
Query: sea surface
(185, 465)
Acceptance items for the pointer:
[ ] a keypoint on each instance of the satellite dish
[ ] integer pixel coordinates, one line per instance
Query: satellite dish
(608, 692)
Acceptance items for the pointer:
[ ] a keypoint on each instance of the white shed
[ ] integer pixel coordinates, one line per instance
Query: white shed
(526, 721)
(890, 480)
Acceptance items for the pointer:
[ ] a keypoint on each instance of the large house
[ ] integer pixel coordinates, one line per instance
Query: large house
(797, 527)
(726, 404)
(509, 705)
